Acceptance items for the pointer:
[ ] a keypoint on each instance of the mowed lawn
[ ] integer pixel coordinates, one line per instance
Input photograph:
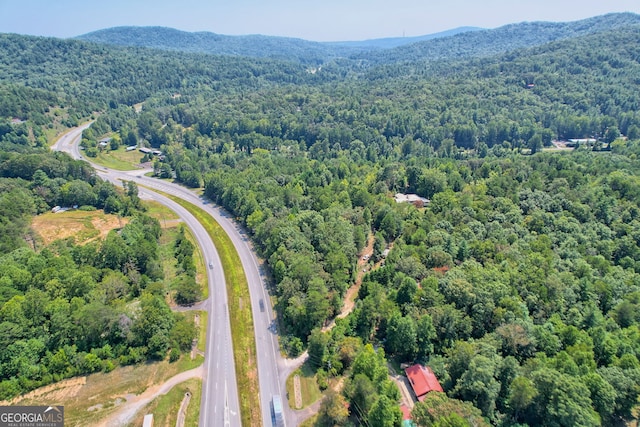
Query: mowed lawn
(119, 159)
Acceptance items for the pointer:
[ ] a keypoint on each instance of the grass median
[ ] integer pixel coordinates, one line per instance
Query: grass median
(239, 303)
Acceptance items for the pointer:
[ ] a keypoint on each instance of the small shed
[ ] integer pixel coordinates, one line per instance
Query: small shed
(147, 421)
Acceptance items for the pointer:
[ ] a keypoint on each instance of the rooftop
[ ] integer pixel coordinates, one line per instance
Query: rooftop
(423, 380)
(409, 198)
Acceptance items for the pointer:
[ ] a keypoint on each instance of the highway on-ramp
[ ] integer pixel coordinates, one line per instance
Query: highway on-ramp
(272, 368)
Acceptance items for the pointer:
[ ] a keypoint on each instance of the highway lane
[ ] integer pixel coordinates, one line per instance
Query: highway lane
(271, 372)
(220, 404)
(267, 347)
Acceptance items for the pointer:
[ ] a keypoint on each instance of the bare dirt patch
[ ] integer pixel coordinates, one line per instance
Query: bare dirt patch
(98, 398)
(83, 226)
(352, 292)
(59, 391)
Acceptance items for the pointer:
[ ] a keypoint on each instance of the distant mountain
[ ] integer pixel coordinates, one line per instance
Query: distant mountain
(251, 45)
(391, 42)
(211, 43)
(500, 40)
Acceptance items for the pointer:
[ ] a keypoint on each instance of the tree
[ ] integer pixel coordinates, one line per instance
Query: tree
(521, 394)
(603, 396)
(430, 182)
(187, 290)
(626, 384)
(154, 320)
(479, 385)
(362, 394)
(114, 251)
(317, 347)
(333, 410)
(401, 337)
(425, 335)
(611, 134)
(182, 333)
(535, 143)
(317, 304)
(385, 413)
(437, 406)
(562, 400)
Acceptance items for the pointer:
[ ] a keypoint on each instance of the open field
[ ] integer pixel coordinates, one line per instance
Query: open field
(88, 400)
(83, 226)
(119, 159)
(157, 210)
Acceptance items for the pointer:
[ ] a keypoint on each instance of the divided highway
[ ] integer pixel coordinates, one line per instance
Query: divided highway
(219, 405)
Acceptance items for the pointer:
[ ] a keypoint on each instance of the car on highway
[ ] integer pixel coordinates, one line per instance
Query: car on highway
(210, 265)
(277, 416)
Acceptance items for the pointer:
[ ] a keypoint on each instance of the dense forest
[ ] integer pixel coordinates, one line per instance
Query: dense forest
(518, 283)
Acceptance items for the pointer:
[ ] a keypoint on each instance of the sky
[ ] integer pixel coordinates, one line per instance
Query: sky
(318, 20)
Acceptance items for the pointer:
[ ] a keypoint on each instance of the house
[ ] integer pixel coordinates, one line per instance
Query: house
(145, 150)
(131, 147)
(423, 381)
(410, 198)
(104, 142)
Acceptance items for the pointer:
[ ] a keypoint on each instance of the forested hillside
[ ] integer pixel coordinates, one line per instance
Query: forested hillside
(257, 46)
(518, 283)
(500, 40)
(70, 308)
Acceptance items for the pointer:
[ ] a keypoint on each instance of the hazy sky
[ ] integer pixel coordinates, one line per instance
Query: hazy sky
(320, 20)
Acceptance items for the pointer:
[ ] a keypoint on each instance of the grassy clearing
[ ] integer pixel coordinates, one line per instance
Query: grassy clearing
(166, 216)
(166, 249)
(244, 347)
(310, 422)
(83, 226)
(87, 400)
(119, 159)
(201, 268)
(202, 330)
(308, 387)
(165, 408)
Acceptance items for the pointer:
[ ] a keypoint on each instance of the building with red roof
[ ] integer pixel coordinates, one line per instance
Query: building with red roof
(422, 380)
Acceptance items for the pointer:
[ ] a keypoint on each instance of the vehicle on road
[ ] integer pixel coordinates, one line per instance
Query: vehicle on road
(261, 302)
(277, 416)
(210, 265)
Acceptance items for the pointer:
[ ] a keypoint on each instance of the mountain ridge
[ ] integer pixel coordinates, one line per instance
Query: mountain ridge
(451, 44)
(500, 40)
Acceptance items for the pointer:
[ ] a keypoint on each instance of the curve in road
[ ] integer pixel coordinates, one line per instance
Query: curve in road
(220, 404)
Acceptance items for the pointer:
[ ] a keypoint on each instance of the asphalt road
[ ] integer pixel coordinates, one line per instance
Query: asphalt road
(220, 395)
